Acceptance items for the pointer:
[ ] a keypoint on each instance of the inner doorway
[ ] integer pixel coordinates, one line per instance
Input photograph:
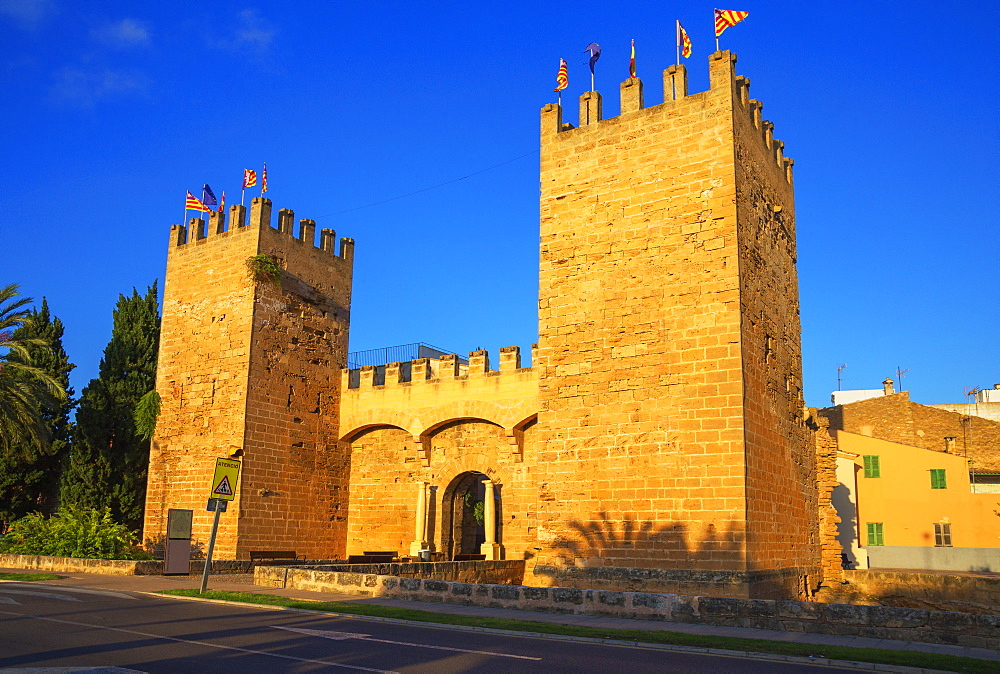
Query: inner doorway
(464, 514)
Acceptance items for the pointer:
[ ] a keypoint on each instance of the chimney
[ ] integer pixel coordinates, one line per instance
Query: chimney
(887, 386)
(949, 443)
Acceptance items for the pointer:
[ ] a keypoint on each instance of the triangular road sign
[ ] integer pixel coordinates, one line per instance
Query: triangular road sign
(223, 488)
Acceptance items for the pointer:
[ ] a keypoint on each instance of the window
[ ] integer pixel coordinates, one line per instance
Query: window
(875, 534)
(942, 534)
(872, 468)
(938, 479)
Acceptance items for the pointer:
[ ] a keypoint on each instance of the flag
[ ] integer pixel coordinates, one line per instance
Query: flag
(631, 63)
(562, 78)
(263, 180)
(193, 204)
(249, 178)
(727, 18)
(207, 196)
(683, 41)
(222, 204)
(595, 53)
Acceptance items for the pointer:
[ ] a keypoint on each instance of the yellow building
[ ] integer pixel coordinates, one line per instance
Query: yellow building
(909, 507)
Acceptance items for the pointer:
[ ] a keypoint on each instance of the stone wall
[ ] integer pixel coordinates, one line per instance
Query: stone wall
(896, 419)
(114, 567)
(319, 577)
(933, 589)
(766, 583)
(881, 622)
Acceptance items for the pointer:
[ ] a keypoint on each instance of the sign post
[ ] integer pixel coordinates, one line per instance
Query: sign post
(227, 473)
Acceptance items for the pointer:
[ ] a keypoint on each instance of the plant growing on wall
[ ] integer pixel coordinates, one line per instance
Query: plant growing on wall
(145, 414)
(477, 507)
(264, 269)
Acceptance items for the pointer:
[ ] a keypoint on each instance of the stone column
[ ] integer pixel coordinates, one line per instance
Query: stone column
(490, 548)
(420, 527)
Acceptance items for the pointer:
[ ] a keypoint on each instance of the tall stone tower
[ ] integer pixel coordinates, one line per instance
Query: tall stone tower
(251, 365)
(670, 431)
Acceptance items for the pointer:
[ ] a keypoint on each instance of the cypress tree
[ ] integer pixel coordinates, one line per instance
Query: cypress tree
(108, 458)
(29, 474)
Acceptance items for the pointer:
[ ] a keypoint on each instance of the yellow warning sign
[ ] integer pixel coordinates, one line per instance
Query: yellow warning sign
(227, 472)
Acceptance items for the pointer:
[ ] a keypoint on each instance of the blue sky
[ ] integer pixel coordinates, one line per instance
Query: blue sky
(112, 110)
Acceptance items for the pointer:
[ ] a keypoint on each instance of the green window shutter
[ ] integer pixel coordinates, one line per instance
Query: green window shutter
(872, 467)
(938, 480)
(875, 533)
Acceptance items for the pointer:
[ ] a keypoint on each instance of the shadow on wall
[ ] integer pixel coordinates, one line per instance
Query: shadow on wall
(630, 542)
(847, 528)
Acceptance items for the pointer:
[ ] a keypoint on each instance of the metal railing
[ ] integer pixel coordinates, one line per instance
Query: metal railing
(402, 353)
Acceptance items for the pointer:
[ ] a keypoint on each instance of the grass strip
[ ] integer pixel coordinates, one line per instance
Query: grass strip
(30, 576)
(873, 655)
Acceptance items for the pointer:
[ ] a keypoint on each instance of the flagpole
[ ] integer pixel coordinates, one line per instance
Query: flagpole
(243, 191)
(678, 41)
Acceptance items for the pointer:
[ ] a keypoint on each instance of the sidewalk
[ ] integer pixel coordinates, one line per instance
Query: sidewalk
(244, 583)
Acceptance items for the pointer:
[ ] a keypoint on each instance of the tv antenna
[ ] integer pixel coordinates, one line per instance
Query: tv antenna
(899, 376)
(971, 393)
(841, 368)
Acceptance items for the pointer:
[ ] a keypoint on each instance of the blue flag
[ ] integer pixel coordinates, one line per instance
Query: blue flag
(207, 196)
(595, 53)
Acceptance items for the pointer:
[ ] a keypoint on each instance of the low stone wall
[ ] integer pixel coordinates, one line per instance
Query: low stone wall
(502, 572)
(119, 567)
(110, 567)
(978, 592)
(882, 622)
(772, 584)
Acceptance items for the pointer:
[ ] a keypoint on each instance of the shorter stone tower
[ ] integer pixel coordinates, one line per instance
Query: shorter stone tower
(254, 365)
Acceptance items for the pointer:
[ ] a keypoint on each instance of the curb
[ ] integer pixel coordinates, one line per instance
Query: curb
(820, 662)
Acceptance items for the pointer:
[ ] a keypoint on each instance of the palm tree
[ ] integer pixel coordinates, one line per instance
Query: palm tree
(24, 388)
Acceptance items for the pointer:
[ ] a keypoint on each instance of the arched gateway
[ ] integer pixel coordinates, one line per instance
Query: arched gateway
(469, 515)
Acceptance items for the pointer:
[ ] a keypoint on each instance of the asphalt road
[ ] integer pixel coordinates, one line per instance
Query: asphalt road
(58, 626)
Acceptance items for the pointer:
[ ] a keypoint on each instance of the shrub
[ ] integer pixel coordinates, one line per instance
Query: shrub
(72, 531)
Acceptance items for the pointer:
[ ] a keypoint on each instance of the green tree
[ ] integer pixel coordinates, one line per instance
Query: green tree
(108, 458)
(29, 471)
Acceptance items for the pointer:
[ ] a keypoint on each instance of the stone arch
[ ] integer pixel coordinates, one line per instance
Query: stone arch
(358, 431)
(460, 532)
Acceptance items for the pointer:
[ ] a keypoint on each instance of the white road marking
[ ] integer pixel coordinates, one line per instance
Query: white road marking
(201, 643)
(340, 636)
(78, 590)
(47, 595)
(9, 600)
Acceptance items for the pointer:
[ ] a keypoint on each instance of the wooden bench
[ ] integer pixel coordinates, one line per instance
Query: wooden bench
(371, 559)
(280, 556)
(470, 558)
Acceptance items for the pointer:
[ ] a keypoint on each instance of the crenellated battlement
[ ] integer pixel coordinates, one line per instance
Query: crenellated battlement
(723, 82)
(219, 226)
(434, 371)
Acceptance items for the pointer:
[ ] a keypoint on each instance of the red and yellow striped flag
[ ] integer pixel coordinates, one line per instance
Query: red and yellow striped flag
(683, 41)
(562, 77)
(727, 18)
(193, 203)
(631, 62)
(263, 180)
(249, 178)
